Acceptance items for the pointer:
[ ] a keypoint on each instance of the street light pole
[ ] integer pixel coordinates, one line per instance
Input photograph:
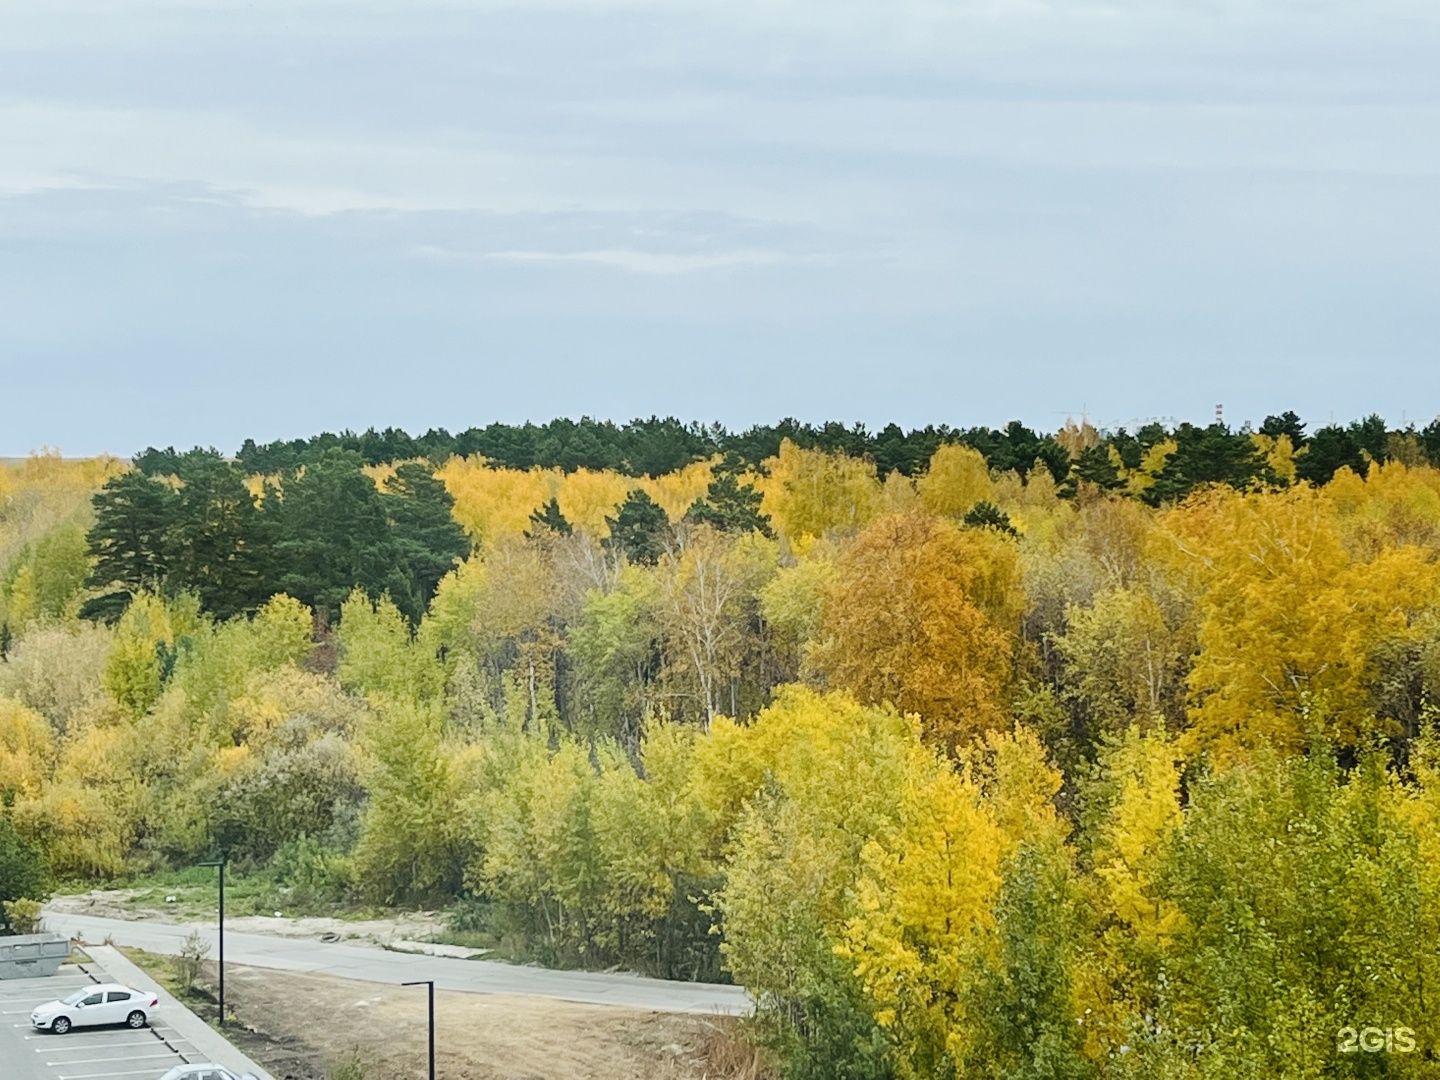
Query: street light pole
(221, 864)
(430, 984)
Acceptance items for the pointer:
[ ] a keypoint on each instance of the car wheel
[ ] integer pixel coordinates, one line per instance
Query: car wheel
(61, 1025)
(136, 1019)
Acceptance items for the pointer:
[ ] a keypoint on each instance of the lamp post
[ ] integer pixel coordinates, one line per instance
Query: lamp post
(221, 864)
(430, 984)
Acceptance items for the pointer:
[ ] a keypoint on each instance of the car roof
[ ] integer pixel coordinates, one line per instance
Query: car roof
(98, 987)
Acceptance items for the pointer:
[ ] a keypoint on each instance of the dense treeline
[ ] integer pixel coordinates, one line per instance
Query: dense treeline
(1126, 767)
(227, 531)
(1197, 454)
(650, 447)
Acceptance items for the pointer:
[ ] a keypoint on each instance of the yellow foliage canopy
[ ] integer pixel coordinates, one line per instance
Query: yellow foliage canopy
(675, 492)
(1146, 812)
(794, 833)
(807, 492)
(1392, 506)
(922, 616)
(588, 497)
(496, 504)
(956, 480)
(1289, 618)
(27, 751)
(926, 899)
(493, 503)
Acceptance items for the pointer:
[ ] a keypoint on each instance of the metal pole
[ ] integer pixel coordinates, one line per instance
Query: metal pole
(430, 985)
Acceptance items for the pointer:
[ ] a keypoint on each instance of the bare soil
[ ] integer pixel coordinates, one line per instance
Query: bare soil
(299, 1025)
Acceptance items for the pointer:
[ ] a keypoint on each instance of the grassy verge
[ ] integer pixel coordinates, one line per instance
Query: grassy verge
(193, 894)
(274, 1054)
(164, 971)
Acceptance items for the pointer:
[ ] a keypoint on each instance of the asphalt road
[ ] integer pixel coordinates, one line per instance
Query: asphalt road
(381, 966)
(111, 1053)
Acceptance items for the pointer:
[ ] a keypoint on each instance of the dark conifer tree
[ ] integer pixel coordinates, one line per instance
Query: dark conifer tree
(730, 506)
(428, 540)
(216, 545)
(129, 542)
(334, 536)
(548, 521)
(1208, 455)
(1430, 441)
(639, 528)
(986, 515)
(1287, 423)
(1326, 452)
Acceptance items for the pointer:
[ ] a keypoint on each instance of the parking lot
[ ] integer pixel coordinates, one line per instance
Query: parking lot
(85, 1053)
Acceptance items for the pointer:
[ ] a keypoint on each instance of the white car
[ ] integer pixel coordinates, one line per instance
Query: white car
(207, 1071)
(94, 1006)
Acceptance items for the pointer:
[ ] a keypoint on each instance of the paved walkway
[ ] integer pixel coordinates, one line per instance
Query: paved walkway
(382, 966)
(207, 1043)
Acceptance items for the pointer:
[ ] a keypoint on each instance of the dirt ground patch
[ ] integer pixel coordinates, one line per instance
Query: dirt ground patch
(299, 1025)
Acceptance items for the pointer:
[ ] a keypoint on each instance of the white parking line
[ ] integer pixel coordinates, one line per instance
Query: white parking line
(85, 1047)
(105, 1075)
(49, 988)
(53, 980)
(102, 1061)
(49, 980)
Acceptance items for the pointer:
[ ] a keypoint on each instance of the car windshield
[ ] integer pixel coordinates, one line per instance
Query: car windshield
(78, 996)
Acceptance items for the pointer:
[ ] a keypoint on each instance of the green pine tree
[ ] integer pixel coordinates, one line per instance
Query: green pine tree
(427, 538)
(217, 546)
(129, 542)
(548, 520)
(729, 506)
(334, 535)
(638, 529)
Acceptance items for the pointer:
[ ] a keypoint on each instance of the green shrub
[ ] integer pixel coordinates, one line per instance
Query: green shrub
(23, 916)
(190, 962)
(313, 871)
(24, 873)
(349, 1066)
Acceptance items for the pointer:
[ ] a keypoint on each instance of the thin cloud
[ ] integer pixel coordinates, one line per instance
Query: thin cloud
(1149, 205)
(628, 259)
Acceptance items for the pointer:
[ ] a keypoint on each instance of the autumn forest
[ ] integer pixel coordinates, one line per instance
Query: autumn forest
(970, 753)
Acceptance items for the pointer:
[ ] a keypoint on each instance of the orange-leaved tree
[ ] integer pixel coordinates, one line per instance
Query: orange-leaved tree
(923, 614)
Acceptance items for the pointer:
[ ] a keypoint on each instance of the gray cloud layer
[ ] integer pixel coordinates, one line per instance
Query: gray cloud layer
(222, 220)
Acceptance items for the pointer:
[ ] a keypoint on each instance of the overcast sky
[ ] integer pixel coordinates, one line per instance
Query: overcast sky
(270, 218)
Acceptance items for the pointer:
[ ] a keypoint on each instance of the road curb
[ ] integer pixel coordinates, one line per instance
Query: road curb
(195, 1031)
(383, 966)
